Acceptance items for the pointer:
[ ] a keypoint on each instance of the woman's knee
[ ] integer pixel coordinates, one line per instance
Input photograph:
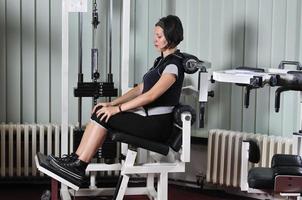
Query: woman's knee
(97, 108)
(94, 116)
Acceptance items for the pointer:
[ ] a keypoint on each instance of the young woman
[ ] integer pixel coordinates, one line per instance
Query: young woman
(144, 111)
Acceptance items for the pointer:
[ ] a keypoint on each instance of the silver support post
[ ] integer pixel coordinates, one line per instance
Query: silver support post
(299, 146)
(94, 50)
(125, 53)
(94, 21)
(297, 139)
(64, 78)
(80, 67)
(300, 110)
(125, 46)
(110, 24)
(110, 37)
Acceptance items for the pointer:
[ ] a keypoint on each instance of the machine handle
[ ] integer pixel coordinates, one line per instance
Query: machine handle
(285, 62)
(201, 114)
(247, 96)
(283, 89)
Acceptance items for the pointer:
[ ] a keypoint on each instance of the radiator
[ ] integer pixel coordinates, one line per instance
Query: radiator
(21, 142)
(224, 154)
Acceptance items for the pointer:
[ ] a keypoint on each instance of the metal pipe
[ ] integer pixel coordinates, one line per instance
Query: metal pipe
(94, 51)
(80, 31)
(80, 67)
(95, 21)
(110, 75)
(283, 89)
(110, 37)
(247, 90)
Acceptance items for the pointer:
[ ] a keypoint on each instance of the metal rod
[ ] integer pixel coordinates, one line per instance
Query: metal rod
(80, 67)
(300, 111)
(94, 52)
(125, 50)
(110, 37)
(80, 29)
(110, 75)
(95, 23)
(64, 78)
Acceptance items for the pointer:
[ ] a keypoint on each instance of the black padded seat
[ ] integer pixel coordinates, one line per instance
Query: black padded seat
(282, 164)
(261, 178)
(285, 160)
(174, 141)
(288, 170)
(139, 142)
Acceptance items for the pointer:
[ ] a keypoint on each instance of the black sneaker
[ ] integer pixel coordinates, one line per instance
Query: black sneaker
(65, 158)
(75, 169)
(43, 164)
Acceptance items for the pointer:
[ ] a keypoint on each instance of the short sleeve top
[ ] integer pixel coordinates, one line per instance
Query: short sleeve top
(169, 64)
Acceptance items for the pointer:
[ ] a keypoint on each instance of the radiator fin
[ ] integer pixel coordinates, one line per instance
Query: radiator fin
(224, 154)
(21, 142)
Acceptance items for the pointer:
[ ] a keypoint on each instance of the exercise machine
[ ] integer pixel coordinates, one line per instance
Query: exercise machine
(284, 177)
(163, 158)
(177, 148)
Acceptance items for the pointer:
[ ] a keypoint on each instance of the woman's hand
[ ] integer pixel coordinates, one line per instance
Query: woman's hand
(107, 112)
(102, 104)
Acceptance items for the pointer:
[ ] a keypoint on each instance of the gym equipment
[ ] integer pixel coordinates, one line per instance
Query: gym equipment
(125, 167)
(179, 139)
(192, 64)
(285, 175)
(254, 78)
(177, 147)
(94, 89)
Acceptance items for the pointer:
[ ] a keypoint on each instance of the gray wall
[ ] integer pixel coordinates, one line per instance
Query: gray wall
(229, 33)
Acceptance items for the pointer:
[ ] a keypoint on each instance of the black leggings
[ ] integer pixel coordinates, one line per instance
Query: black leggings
(156, 127)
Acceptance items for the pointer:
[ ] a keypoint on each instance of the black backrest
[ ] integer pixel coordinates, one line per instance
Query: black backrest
(254, 150)
(190, 63)
(175, 139)
(280, 160)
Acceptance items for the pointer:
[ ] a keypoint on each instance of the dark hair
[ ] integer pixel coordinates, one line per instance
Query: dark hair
(173, 30)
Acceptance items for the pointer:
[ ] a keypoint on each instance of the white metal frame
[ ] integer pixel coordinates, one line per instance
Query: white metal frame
(126, 9)
(64, 77)
(126, 16)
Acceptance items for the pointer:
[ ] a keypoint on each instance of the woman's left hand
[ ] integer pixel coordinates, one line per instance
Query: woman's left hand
(107, 112)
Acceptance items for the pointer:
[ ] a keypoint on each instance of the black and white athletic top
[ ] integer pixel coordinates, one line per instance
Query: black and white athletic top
(165, 103)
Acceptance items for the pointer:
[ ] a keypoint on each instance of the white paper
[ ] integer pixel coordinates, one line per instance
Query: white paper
(77, 6)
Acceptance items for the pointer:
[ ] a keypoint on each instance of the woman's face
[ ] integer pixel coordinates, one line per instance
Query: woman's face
(160, 41)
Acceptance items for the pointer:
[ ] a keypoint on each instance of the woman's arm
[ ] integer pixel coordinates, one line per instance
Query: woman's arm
(162, 85)
(131, 94)
(134, 92)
